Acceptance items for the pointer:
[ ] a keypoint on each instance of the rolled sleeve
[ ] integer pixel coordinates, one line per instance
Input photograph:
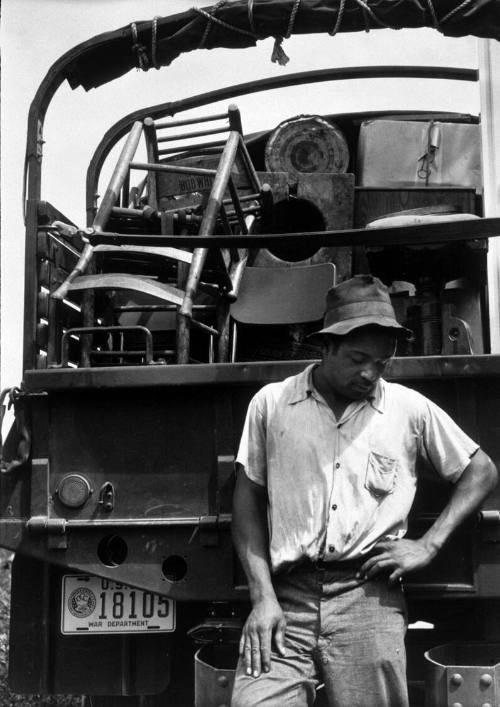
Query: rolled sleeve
(252, 449)
(444, 444)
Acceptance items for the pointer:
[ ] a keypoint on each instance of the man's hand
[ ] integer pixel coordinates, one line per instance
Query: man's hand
(265, 623)
(397, 557)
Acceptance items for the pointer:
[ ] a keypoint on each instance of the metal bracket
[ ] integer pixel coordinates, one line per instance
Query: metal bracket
(39, 140)
(224, 445)
(40, 522)
(45, 525)
(107, 496)
(53, 528)
(209, 531)
(489, 522)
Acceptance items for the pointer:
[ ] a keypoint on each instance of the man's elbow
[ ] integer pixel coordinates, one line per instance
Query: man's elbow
(486, 470)
(493, 475)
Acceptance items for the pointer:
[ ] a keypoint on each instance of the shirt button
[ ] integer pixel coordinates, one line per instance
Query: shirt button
(337, 465)
(334, 507)
(331, 548)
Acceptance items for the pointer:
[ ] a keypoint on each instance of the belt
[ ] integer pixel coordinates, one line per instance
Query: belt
(352, 565)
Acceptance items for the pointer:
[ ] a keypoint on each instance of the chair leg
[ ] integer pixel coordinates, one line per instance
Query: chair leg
(223, 327)
(233, 341)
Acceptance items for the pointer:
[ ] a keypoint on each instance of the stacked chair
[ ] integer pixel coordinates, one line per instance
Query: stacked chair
(131, 292)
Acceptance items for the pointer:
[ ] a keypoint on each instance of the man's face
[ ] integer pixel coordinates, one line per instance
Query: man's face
(354, 367)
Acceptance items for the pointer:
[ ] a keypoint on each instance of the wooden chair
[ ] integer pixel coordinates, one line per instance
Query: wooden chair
(285, 295)
(233, 201)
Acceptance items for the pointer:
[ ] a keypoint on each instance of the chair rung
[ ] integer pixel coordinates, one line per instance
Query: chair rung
(118, 352)
(243, 197)
(161, 308)
(191, 121)
(180, 169)
(204, 327)
(192, 148)
(198, 133)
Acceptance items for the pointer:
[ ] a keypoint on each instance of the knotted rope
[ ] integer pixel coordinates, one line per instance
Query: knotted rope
(278, 54)
(212, 19)
(143, 62)
(139, 49)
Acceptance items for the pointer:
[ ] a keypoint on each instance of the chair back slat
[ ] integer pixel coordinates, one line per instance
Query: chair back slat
(288, 295)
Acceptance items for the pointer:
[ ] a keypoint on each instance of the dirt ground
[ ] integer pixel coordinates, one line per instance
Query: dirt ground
(8, 698)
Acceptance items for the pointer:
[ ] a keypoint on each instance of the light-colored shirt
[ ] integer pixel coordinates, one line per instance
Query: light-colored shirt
(336, 487)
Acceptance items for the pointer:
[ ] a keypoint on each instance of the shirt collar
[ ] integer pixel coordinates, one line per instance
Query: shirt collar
(377, 400)
(304, 388)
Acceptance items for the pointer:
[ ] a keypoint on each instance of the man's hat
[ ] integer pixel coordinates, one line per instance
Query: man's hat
(358, 302)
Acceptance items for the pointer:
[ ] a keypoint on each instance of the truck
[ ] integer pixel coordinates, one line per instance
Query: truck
(199, 274)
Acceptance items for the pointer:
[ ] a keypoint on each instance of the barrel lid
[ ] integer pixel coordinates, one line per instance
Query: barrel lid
(306, 143)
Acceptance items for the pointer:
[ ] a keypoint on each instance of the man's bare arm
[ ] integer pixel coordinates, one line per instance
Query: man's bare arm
(250, 535)
(399, 557)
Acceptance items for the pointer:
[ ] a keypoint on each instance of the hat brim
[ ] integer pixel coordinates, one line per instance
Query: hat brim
(347, 325)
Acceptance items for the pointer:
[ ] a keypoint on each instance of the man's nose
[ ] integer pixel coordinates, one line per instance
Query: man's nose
(370, 373)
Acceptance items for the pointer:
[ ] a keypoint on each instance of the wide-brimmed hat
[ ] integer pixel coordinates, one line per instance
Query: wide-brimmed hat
(358, 302)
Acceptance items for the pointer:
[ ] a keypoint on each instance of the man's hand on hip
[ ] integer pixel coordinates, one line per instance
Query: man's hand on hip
(396, 557)
(265, 623)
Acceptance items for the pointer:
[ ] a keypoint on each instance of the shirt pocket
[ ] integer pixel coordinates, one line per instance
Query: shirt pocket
(380, 474)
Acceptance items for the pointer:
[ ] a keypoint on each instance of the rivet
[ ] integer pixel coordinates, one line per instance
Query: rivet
(456, 679)
(457, 704)
(223, 681)
(486, 704)
(485, 680)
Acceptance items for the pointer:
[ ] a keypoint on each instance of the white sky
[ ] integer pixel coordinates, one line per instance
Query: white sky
(34, 33)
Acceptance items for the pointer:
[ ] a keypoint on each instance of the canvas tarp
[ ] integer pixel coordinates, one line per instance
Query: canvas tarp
(241, 23)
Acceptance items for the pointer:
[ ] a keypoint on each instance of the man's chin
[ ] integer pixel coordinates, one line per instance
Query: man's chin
(359, 392)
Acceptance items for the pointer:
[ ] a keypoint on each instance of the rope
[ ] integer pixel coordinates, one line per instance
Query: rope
(433, 13)
(371, 14)
(338, 22)
(457, 9)
(367, 13)
(154, 33)
(139, 49)
(278, 55)
(212, 19)
(250, 16)
(291, 21)
(427, 160)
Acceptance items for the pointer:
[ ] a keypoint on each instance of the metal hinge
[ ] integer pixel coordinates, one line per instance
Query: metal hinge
(53, 528)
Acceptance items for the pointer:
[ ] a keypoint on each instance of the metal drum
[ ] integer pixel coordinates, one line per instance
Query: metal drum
(463, 675)
(306, 143)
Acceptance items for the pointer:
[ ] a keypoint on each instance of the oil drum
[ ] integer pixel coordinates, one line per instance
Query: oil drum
(306, 143)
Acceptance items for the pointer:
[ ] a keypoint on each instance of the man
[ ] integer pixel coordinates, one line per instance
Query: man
(326, 478)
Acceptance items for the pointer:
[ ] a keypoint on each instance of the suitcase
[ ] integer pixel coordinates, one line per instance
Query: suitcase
(400, 153)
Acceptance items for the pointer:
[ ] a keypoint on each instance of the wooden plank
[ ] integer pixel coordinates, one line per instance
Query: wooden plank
(171, 253)
(333, 194)
(372, 203)
(120, 281)
(249, 373)
(444, 232)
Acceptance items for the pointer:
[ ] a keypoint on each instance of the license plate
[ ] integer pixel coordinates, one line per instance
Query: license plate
(95, 605)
